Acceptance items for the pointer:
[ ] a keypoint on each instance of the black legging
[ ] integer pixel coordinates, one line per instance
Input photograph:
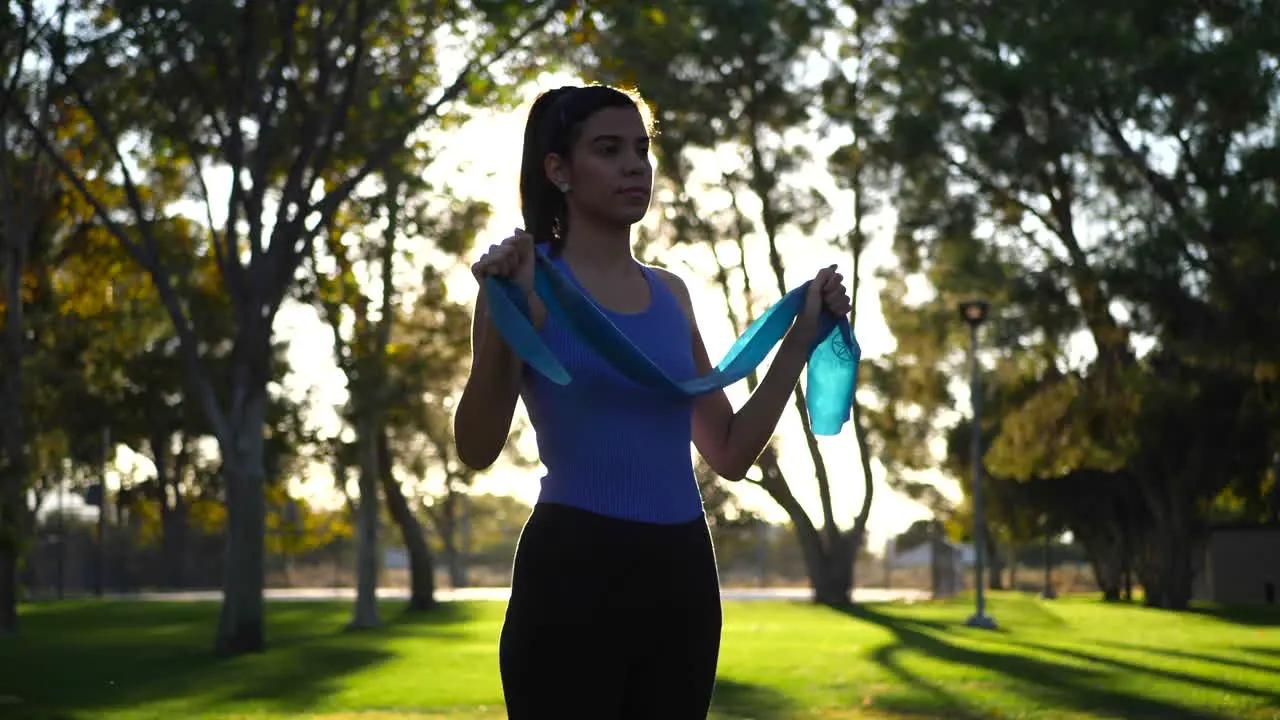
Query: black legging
(610, 619)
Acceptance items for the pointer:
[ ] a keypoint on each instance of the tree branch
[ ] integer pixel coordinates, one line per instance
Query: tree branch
(147, 255)
(381, 152)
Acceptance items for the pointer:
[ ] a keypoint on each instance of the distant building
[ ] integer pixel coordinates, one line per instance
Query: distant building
(923, 554)
(1241, 565)
(945, 560)
(395, 558)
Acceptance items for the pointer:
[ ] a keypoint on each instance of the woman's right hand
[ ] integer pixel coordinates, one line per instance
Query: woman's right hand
(512, 259)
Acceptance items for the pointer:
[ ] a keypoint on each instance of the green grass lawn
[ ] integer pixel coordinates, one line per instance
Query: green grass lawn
(1071, 658)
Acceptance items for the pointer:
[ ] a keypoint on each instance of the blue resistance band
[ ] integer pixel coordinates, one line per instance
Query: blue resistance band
(832, 366)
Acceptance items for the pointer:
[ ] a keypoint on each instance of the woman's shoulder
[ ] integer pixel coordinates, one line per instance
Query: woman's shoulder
(677, 287)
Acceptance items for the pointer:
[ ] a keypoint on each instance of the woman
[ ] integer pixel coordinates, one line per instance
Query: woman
(615, 603)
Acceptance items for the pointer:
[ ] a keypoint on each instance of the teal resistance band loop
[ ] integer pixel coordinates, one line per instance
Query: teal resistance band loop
(833, 358)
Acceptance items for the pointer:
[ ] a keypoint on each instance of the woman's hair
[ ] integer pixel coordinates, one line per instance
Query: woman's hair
(554, 125)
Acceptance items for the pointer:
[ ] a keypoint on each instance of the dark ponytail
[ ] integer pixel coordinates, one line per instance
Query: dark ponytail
(554, 124)
(541, 202)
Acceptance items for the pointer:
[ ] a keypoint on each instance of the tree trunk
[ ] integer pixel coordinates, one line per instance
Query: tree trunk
(173, 542)
(829, 565)
(995, 563)
(1013, 566)
(173, 511)
(1127, 559)
(814, 562)
(1179, 577)
(1172, 581)
(1148, 572)
(457, 569)
(12, 521)
(762, 553)
(445, 517)
(241, 623)
(365, 613)
(422, 582)
(825, 584)
(8, 592)
(1110, 593)
(462, 576)
(13, 443)
(1166, 572)
(1107, 563)
(1048, 592)
(859, 532)
(453, 560)
(857, 538)
(833, 584)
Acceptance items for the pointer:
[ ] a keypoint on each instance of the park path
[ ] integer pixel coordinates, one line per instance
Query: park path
(502, 594)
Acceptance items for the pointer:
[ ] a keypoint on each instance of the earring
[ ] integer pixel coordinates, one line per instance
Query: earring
(564, 187)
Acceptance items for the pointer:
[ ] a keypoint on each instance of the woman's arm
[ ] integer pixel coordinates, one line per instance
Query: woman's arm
(731, 441)
(483, 418)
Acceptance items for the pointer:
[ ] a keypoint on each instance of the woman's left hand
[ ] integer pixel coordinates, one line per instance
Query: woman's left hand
(827, 293)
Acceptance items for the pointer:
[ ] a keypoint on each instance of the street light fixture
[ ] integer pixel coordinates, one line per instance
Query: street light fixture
(974, 312)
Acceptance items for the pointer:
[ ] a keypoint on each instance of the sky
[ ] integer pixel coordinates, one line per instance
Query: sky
(481, 159)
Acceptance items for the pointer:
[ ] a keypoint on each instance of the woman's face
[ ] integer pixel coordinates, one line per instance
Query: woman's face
(611, 177)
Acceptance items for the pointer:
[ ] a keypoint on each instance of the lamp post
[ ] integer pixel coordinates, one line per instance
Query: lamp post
(974, 313)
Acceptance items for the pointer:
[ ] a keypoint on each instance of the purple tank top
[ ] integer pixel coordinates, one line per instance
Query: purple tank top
(611, 446)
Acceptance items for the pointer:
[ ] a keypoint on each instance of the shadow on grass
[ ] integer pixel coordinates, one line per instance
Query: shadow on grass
(1137, 668)
(1195, 657)
(442, 621)
(736, 700)
(1248, 615)
(1042, 681)
(77, 659)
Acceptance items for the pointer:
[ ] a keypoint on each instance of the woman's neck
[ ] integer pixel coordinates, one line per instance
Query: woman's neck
(600, 249)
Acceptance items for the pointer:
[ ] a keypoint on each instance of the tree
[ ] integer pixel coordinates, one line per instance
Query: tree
(300, 102)
(1020, 143)
(729, 76)
(362, 313)
(153, 410)
(361, 358)
(32, 218)
(428, 369)
(849, 102)
(494, 522)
